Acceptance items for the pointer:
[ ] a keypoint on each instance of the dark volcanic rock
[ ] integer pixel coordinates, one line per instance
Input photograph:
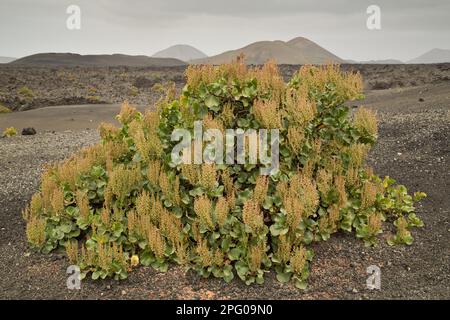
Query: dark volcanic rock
(28, 131)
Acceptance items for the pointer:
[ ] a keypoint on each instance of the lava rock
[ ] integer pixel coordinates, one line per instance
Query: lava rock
(28, 131)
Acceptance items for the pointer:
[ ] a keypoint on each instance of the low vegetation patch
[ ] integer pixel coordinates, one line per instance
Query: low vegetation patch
(4, 109)
(124, 202)
(26, 92)
(9, 132)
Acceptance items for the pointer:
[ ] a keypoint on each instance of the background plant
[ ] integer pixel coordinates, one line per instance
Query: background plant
(4, 109)
(9, 132)
(123, 202)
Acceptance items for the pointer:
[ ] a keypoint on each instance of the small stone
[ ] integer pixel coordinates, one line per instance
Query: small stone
(28, 131)
(354, 290)
(124, 292)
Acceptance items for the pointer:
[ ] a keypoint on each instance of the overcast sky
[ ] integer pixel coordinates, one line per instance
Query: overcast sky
(408, 27)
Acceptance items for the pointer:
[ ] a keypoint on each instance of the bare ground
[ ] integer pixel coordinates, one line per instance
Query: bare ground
(413, 147)
(53, 86)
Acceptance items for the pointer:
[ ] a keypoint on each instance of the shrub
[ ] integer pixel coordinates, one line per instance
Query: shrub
(9, 132)
(4, 109)
(124, 202)
(94, 99)
(26, 92)
(134, 91)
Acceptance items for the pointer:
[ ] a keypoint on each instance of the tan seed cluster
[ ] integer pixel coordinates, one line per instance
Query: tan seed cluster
(127, 113)
(348, 84)
(72, 251)
(191, 172)
(34, 209)
(83, 204)
(267, 113)
(208, 177)
(358, 153)
(221, 211)
(204, 253)
(256, 255)
(299, 108)
(374, 223)
(366, 120)
(212, 123)
(252, 215)
(324, 179)
(368, 194)
(352, 177)
(261, 188)
(298, 260)
(284, 248)
(123, 180)
(227, 181)
(295, 139)
(339, 184)
(153, 171)
(227, 115)
(402, 227)
(36, 231)
(203, 209)
(108, 131)
(156, 241)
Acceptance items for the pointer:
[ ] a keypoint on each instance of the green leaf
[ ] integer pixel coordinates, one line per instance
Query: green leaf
(300, 284)
(391, 241)
(308, 237)
(228, 274)
(234, 254)
(66, 228)
(259, 279)
(278, 230)
(284, 277)
(226, 244)
(408, 239)
(96, 275)
(212, 103)
(146, 258)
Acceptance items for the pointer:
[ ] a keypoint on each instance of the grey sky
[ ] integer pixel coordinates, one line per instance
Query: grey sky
(408, 27)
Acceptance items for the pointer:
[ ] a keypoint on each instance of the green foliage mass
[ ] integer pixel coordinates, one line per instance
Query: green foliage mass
(124, 202)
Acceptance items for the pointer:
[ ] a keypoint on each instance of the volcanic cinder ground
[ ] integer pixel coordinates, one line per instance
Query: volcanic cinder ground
(413, 105)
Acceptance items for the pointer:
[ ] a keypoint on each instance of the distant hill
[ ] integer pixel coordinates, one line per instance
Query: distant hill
(385, 61)
(181, 52)
(312, 51)
(6, 59)
(433, 56)
(296, 51)
(73, 59)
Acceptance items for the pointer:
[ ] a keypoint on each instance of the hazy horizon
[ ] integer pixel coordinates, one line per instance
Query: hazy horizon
(408, 28)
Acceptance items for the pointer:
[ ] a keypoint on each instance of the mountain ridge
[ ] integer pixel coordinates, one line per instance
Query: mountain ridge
(435, 55)
(295, 51)
(183, 52)
(75, 59)
(6, 59)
